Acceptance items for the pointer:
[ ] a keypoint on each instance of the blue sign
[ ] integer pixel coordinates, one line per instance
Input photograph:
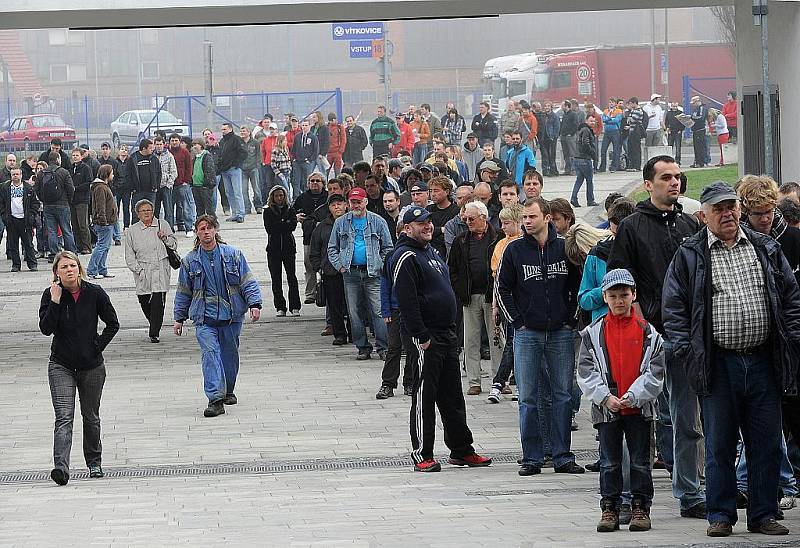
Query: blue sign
(357, 31)
(360, 49)
(664, 62)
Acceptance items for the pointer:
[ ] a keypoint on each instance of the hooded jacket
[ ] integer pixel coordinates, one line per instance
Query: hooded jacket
(687, 310)
(537, 286)
(319, 248)
(645, 243)
(104, 205)
(585, 146)
(133, 172)
(787, 236)
(519, 159)
(76, 344)
(590, 296)
(471, 159)
(169, 168)
(82, 179)
(280, 222)
(421, 283)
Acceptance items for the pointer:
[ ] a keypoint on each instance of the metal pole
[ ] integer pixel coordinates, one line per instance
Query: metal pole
(139, 64)
(652, 51)
(289, 69)
(666, 54)
(386, 74)
(86, 116)
(7, 92)
(767, 102)
(208, 83)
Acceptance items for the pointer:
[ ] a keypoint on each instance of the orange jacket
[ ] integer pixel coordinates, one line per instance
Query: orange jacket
(533, 124)
(423, 131)
(338, 139)
(267, 144)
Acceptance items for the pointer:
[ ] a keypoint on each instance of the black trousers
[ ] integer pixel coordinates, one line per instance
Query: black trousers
(634, 152)
(675, 140)
(276, 263)
(699, 145)
(203, 203)
(17, 230)
(396, 342)
(549, 156)
(153, 307)
(337, 306)
(437, 383)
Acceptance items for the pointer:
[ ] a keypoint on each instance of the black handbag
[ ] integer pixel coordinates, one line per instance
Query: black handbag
(173, 257)
(321, 299)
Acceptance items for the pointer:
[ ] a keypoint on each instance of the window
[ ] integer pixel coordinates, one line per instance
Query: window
(150, 70)
(59, 73)
(77, 73)
(50, 120)
(57, 37)
(76, 38)
(517, 88)
(562, 79)
(148, 36)
(124, 118)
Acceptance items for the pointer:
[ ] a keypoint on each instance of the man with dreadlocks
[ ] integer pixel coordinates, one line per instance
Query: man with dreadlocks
(215, 290)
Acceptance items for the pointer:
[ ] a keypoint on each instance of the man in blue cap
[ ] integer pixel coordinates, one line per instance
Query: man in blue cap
(428, 316)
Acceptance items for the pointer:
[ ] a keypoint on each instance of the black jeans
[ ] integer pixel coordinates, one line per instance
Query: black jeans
(549, 156)
(675, 140)
(396, 342)
(17, 230)
(203, 201)
(636, 431)
(275, 262)
(89, 385)
(699, 145)
(153, 307)
(437, 382)
(507, 360)
(634, 152)
(335, 301)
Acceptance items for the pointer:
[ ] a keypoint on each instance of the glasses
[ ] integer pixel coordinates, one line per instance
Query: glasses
(760, 213)
(316, 181)
(470, 219)
(143, 210)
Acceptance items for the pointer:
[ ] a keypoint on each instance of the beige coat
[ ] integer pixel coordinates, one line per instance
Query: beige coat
(146, 256)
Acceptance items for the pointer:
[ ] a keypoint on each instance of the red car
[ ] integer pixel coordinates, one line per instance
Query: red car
(34, 131)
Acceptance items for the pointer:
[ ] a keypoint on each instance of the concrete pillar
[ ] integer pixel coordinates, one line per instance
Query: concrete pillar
(784, 64)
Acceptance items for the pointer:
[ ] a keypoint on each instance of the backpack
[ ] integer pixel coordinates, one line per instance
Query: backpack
(51, 191)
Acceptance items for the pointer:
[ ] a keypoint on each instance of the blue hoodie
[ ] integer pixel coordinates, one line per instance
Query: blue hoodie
(537, 286)
(519, 160)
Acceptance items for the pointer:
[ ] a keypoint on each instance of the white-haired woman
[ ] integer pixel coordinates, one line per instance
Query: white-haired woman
(146, 244)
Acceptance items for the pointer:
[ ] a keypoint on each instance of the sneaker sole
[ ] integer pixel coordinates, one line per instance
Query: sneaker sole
(435, 468)
(491, 399)
(459, 462)
(607, 530)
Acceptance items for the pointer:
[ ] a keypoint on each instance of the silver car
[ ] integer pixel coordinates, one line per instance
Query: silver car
(134, 125)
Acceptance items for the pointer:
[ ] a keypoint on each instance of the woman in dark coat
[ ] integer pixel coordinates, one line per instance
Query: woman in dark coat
(280, 221)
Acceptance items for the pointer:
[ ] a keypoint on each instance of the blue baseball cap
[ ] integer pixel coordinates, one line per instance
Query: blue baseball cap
(416, 214)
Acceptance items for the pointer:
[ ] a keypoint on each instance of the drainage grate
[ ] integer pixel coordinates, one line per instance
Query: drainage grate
(257, 467)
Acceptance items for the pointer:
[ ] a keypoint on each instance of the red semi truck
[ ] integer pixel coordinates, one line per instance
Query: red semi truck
(597, 73)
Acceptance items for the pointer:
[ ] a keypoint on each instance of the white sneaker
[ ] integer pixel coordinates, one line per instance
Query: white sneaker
(190, 234)
(281, 313)
(787, 503)
(294, 312)
(494, 393)
(97, 277)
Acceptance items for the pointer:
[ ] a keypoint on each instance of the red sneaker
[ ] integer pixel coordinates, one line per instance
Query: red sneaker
(472, 460)
(429, 465)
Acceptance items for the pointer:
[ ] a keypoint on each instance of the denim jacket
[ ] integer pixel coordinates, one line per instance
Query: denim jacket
(376, 236)
(242, 286)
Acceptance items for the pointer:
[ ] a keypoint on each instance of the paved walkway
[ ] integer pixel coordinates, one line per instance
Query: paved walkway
(308, 457)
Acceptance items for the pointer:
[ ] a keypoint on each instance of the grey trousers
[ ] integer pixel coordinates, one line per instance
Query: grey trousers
(63, 384)
(311, 276)
(476, 315)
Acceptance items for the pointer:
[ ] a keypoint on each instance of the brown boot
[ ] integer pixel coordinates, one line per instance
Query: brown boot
(640, 517)
(609, 520)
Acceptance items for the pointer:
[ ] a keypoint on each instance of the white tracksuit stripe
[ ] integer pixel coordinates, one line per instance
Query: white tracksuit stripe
(416, 454)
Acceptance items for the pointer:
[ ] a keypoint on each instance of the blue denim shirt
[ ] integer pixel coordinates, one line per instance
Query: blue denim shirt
(241, 286)
(376, 237)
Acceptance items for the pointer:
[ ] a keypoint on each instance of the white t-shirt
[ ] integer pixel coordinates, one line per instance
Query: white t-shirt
(656, 114)
(17, 194)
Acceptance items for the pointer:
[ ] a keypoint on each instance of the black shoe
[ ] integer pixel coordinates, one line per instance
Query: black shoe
(230, 399)
(15, 268)
(59, 476)
(40, 255)
(486, 355)
(592, 204)
(96, 471)
(593, 466)
(569, 468)
(339, 342)
(214, 409)
(529, 470)
(548, 462)
(384, 392)
(779, 515)
(575, 203)
(33, 268)
(741, 500)
(768, 527)
(408, 391)
(697, 511)
(382, 355)
(364, 355)
(117, 242)
(154, 340)
(50, 258)
(310, 300)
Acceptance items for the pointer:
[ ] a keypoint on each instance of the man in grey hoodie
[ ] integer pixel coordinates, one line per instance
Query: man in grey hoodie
(472, 154)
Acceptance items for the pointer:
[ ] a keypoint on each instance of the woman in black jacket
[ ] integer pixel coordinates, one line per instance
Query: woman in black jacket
(69, 311)
(280, 220)
(319, 129)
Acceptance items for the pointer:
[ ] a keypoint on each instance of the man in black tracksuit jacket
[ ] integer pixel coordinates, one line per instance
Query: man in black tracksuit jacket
(428, 316)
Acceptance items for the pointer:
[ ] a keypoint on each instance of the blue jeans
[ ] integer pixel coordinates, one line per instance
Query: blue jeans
(744, 396)
(636, 433)
(232, 179)
(584, 171)
(300, 173)
(184, 206)
(551, 352)
(137, 196)
(687, 435)
(786, 482)
(419, 152)
(358, 285)
(56, 216)
(123, 198)
(164, 198)
(250, 178)
(266, 180)
(610, 138)
(97, 262)
(219, 346)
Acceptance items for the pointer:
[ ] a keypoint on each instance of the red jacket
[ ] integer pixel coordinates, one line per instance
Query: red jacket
(290, 139)
(183, 161)
(729, 112)
(338, 139)
(267, 144)
(406, 139)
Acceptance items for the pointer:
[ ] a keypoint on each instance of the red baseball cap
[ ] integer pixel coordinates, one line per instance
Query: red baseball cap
(357, 193)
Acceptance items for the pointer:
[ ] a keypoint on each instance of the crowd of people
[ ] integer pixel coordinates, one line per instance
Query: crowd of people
(679, 320)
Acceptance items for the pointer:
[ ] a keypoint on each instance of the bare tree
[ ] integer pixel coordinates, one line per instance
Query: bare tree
(726, 24)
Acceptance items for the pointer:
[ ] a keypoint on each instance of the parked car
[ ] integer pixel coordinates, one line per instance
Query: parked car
(134, 125)
(34, 131)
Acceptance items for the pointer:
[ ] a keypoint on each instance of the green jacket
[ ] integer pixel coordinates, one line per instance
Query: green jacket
(382, 130)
